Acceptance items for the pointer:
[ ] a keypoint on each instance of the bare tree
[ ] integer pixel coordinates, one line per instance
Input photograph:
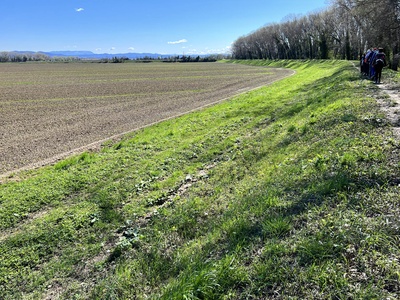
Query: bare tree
(344, 30)
(373, 23)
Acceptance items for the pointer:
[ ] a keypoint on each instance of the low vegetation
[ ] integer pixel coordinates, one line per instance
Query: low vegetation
(286, 192)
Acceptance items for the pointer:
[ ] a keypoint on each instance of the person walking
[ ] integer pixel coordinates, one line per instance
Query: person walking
(371, 63)
(378, 63)
(367, 61)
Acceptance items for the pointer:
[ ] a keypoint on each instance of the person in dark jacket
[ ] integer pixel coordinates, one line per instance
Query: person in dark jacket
(379, 62)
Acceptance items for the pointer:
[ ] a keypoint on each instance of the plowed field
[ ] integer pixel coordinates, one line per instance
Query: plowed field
(50, 110)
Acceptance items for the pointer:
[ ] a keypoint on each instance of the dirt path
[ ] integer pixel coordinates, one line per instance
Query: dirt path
(389, 101)
(390, 105)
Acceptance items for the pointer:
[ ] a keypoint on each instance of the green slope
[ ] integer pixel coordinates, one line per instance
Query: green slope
(288, 191)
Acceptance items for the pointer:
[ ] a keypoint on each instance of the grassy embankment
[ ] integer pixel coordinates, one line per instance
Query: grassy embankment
(288, 190)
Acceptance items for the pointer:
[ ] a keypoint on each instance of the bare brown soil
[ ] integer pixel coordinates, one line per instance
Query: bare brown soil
(49, 111)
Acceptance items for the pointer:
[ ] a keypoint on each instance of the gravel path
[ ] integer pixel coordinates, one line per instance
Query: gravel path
(390, 103)
(390, 106)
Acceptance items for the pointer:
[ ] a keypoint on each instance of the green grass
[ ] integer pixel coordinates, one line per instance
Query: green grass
(289, 192)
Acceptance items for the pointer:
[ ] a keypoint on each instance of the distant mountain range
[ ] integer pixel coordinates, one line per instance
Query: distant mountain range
(91, 55)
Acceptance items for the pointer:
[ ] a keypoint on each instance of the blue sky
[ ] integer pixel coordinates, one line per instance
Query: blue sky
(148, 26)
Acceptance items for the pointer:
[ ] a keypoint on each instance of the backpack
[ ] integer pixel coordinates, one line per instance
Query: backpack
(380, 60)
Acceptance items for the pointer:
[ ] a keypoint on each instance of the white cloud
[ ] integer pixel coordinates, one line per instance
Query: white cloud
(178, 42)
(208, 51)
(112, 48)
(79, 9)
(131, 48)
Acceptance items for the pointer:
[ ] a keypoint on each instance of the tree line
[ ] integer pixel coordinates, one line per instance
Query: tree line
(29, 56)
(345, 30)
